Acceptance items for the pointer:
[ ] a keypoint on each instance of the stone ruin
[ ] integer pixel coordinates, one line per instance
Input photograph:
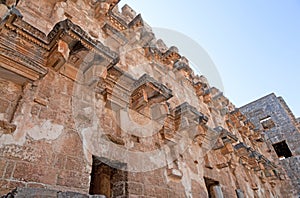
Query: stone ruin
(93, 105)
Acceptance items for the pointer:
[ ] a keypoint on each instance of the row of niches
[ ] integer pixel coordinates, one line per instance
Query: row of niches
(248, 157)
(144, 102)
(70, 50)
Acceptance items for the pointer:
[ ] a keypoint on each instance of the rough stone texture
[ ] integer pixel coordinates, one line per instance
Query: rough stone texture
(284, 129)
(46, 193)
(81, 80)
(10, 94)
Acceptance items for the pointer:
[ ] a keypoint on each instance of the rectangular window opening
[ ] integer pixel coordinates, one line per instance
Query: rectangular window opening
(282, 150)
(267, 122)
(108, 178)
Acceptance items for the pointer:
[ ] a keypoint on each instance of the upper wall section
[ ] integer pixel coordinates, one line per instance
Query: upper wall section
(271, 115)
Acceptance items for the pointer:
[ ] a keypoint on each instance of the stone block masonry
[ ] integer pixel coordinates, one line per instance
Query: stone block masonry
(283, 136)
(93, 105)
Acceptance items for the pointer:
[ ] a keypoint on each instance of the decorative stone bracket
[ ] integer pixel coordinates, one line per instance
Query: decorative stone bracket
(119, 23)
(220, 102)
(239, 121)
(21, 59)
(226, 136)
(200, 88)
(75, 53)
(186, 115)
(241, 149)
(256, 161)
(67, 48)
(148, 97)
(116, 88)
(225, 141)
(185, 118)
(147, 92)
(121, 90)
(169, 57)
(183, 65)
(118, 27)
(237, 117)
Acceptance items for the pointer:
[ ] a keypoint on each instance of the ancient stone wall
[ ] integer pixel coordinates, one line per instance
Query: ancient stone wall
(93, 103)
(35, 154)
(272, 116)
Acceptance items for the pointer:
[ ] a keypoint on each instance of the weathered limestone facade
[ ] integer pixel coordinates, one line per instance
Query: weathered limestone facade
(91, 102)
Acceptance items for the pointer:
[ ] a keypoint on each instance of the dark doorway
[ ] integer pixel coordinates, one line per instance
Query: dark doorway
(282, 150)
(108, 178)
(213, 188)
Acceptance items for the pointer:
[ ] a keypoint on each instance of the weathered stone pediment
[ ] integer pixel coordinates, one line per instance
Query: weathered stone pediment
(66, 43)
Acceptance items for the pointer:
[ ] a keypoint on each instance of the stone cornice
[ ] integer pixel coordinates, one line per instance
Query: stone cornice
(39, 48)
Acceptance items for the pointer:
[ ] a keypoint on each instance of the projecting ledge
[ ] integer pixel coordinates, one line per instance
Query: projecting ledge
(147, 91)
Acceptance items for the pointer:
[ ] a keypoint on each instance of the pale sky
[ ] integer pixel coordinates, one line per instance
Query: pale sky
(255, 45)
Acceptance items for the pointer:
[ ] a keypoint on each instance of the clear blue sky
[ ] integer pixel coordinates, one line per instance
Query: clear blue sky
(255, 44)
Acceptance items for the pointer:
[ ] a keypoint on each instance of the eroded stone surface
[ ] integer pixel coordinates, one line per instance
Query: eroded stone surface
(81, 80)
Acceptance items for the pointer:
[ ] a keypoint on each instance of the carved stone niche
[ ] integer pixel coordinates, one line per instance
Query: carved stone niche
(200, 88)
(121, 21)
(226, 140)
(76, 53)
(249, 124)
(201, 134)
(218, 144)
(26, 51)
(269, 168)
(116, 38)
(116, 88)
(153, 53)
(148, 92)
(187, 116)
(21, 54)
(136, 22)
(183, 66)
(146, 38)
(271, 174)
(145, 95)
(262, 162)
(171, 55)
(117, 20)
(210, 140)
